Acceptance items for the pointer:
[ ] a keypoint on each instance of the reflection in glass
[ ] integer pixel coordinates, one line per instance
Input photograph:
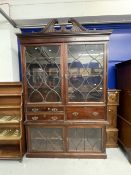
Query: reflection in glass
(85, 72)
(43, 73)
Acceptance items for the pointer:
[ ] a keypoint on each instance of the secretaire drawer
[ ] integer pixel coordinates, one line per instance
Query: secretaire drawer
(43, 117)
(45, 109)
(76, 113)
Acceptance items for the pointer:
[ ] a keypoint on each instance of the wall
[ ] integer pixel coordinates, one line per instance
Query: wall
(14, 55)
(5, 55)
(9, 63)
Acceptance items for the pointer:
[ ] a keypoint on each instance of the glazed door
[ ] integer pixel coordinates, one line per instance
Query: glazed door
(43, 74)
(85, 139)
(85, 73)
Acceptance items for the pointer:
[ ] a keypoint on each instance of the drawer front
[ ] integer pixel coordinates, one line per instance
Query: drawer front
(45, 117)
(45, 109)
(76, 113)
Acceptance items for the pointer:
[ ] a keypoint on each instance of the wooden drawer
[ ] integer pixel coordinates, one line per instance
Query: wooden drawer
(76, 113)
(45, 117)
(45, 109)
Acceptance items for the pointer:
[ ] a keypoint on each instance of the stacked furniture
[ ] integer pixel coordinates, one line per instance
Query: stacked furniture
(65, 90)
(111, 130)
(11, 121)
(124, 110)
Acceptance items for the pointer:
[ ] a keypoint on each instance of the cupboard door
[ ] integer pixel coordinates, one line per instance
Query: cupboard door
(85, 72)
(43, 73)
(84, 139)
(45, 139)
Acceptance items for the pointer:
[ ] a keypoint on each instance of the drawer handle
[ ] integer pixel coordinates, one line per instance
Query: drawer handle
(54, 118)
(54, 109)
(44, 116)
(35, 110)
(75, 114)
(95, 114)
(35, 118)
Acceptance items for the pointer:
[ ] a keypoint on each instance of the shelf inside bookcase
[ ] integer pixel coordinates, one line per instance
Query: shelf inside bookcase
(10, 95)
(8, 151)
(10, 134)
(9, 119)
(10, 106)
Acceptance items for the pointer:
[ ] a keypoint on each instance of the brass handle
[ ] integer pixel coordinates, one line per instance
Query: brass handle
(75, 114)
(35, 118)
(66, 76)
(35, 109)
(54, 118)
(54, 109)
(95, 114)
(44, 116)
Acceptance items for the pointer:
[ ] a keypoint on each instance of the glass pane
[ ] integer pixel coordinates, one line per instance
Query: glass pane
(46, 139)
(84, 139)
(43, 73)
(85, 72)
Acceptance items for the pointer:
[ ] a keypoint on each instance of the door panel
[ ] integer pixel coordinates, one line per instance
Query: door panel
(45, 139)
(85, 72)
(43, 73)
(84, 139)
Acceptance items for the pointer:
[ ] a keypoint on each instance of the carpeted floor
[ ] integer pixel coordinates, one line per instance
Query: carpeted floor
(115, 164)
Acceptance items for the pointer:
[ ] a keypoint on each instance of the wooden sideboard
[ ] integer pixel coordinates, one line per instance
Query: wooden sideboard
(124, 109)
